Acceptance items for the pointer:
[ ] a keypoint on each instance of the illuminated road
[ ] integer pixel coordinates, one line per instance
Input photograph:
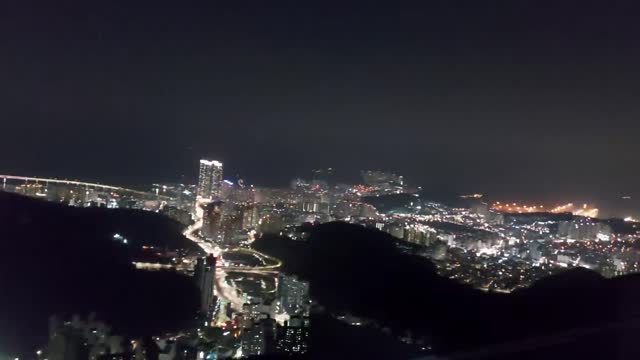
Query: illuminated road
(276, 263)
(209, 248)
(223, 289)
(81, 183)
(248, 270)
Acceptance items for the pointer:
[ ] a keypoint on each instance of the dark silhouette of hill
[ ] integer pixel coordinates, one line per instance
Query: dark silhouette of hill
(330, 337)
(63, 260)
(334, 339)
(359, 270)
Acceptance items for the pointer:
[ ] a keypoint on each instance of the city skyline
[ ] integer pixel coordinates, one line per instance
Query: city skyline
(496, 104)
(210, 173)
(448, 179)
(243, 252)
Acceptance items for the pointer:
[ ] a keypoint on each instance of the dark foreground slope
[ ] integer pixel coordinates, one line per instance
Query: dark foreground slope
(577, 314)
(58, 259)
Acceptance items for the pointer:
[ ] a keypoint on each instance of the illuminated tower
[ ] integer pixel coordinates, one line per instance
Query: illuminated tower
(216, 179)
(209, 179)
(204, 274)
(212, 221)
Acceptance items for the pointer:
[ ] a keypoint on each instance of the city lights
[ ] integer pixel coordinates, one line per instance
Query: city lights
(499, 246)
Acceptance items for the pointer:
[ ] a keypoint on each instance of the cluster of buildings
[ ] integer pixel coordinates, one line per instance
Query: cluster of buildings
(485, 245)
(84, 339)
(228, 223)
(502, 251)
(278, 322)
(83, 194)
(380, 182)
(472, 242)
(274, 318)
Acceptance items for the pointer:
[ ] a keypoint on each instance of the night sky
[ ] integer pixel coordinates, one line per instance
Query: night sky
(519, 99)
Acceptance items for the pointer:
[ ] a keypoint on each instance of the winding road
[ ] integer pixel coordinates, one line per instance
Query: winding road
(224, 289)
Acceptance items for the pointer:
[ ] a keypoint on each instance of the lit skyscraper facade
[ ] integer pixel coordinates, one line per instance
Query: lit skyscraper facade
(204, 274)
(293, 338)
(293, 294)
(216, 179)
(209, 179)
(212, 221)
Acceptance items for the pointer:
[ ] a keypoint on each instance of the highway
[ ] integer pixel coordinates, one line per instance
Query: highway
(210, 248)
(81, 183)
(276, 263)
(223, 289)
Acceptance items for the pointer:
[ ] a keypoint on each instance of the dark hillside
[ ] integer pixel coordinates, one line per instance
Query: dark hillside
(58, 259)
(358, 270)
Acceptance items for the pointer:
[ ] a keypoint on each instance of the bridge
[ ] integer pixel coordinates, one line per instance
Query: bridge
(82, 184)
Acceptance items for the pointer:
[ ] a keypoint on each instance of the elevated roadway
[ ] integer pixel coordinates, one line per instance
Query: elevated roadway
(27, 179)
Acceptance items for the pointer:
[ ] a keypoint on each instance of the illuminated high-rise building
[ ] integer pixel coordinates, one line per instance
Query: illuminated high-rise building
(293, 295)
(209, 179)
(253, 340)
(216, 179)
(204, 274)
(212, 221)
(250, 216)
(231, 223)
(293, 338)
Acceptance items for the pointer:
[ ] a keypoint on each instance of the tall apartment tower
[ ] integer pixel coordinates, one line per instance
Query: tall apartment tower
(209, 179)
